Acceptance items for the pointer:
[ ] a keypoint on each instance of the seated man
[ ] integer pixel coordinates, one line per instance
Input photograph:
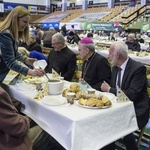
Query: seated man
(61, 58)
(15, 131)
(73, 38)
(47, 37)
(139, 38)
(32, 44)
(96, 68)
(132, 43)
(133, 82)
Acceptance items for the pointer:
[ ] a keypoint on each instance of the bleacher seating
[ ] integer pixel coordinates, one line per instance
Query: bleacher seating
(75, 13)
(120, 13)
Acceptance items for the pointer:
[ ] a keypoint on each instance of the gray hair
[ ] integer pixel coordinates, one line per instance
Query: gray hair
(60, 38)
(32, 35)
(91, 47)
(52, 28)
(121, 48)
(132, 35)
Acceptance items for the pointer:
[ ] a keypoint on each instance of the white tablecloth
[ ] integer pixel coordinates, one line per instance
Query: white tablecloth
(74, 49)
(145, 60)
(77, 128)
(144, 46)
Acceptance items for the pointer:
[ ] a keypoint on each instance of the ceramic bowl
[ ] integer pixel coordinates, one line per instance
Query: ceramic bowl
(55, 87)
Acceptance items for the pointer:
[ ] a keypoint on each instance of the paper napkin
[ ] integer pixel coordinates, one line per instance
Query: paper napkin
(55, 74)
(121, 97)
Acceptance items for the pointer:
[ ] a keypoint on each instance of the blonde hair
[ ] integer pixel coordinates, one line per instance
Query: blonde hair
(11, 23)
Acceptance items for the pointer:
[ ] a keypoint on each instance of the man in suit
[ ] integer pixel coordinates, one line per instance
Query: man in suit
(132, 43)
(95, 68)
(133, 83)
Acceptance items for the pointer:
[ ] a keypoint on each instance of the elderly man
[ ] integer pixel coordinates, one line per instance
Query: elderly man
(47, 37)
(32, 44)
(96, 68)
(134, 84)
(132, 43)
(61, 58)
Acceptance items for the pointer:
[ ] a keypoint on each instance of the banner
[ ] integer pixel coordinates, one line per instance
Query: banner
(50, 24)
(9, 6)
(101, 26)
(145, 27)
(54, 18)
(32, 8)
(77, 25)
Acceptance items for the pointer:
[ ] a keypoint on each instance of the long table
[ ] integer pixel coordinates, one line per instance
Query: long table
(144, 60)
(78, 128)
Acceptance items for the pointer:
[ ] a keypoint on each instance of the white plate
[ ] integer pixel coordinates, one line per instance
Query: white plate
(25, 86)
(40, 64)
(110, 96)
(54, 100)
(91, 107)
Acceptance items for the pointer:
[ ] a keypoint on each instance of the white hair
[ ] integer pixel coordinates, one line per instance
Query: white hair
(132, 35)
(121, 47)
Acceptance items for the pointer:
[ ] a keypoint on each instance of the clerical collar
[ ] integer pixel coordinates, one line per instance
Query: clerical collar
(62, 49)
(90, 57)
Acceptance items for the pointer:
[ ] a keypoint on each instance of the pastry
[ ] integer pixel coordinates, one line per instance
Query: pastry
(74, 87)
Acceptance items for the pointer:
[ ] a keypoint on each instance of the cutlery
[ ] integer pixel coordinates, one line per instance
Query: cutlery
(49, 80)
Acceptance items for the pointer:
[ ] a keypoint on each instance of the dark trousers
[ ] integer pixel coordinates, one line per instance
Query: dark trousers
(129, 142)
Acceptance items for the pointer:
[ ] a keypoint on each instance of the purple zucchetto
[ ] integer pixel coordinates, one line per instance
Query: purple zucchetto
(86, 40)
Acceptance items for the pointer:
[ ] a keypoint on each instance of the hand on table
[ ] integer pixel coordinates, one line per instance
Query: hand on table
(105, 87)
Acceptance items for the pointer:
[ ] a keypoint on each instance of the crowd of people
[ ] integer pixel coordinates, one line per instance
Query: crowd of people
(96, 71)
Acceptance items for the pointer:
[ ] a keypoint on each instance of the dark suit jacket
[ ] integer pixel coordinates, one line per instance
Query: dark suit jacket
(98, 70)
(63, 62)
(134, 85)
(13, 126)
(34, 46)
(134, 46)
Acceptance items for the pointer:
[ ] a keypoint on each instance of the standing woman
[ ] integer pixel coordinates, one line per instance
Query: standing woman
(15, 27)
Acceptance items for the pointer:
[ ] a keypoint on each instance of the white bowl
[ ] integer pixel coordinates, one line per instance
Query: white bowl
(55, 87)
(40, 64)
